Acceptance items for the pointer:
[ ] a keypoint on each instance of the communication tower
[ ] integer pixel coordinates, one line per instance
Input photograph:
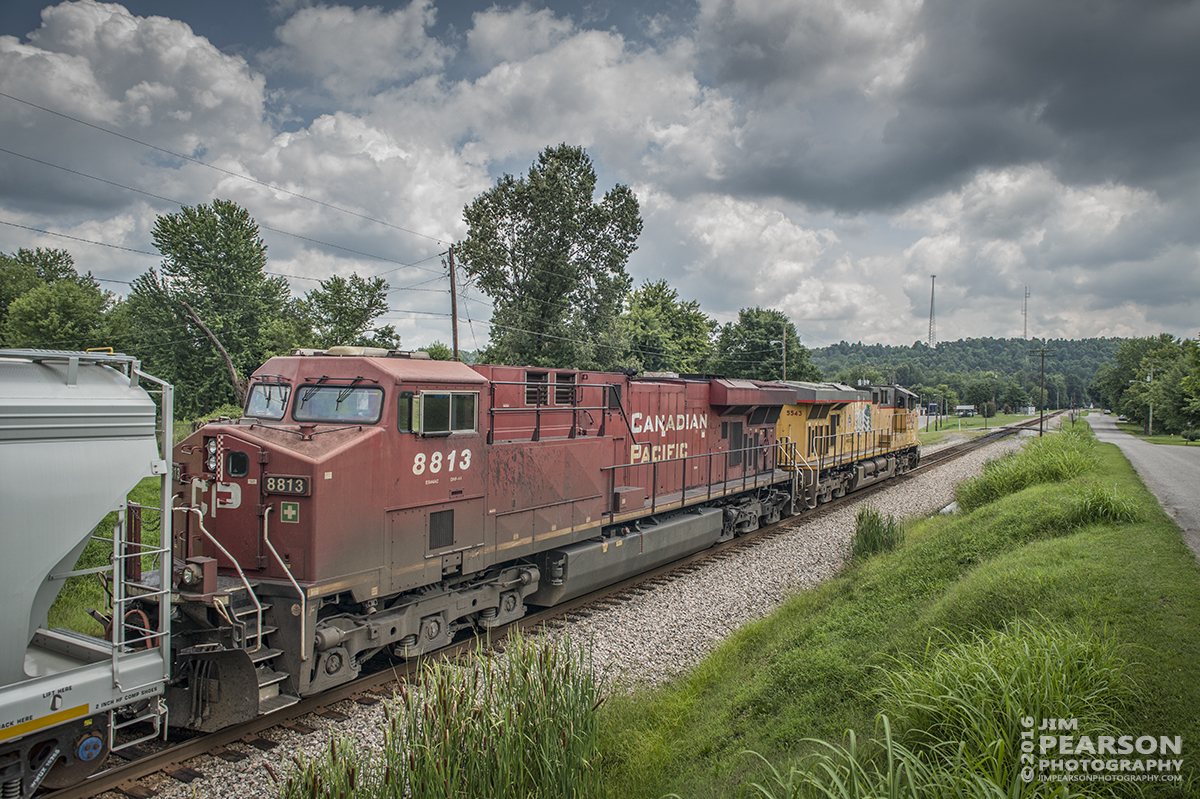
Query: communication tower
(932, 326)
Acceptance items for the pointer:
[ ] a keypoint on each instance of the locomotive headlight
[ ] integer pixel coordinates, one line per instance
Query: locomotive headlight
(211, 446)
(211, 463)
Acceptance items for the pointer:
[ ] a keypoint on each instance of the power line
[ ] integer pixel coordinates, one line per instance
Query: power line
(258, 224)
(231, 173)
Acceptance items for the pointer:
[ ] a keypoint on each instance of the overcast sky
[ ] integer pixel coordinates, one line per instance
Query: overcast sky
(822, 158)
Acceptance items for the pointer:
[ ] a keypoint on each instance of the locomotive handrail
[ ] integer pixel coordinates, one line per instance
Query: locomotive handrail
(249, 590)
(296, 585)
(764, 448)
(538, 406)
(791, 450)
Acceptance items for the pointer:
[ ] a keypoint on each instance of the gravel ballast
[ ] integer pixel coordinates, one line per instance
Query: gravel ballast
(649, 638)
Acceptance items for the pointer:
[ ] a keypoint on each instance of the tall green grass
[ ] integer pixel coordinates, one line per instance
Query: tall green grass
(874, 532)
(952, 721)
(522, 726)
(1053, 458)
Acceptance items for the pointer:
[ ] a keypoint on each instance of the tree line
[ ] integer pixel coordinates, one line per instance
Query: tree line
(1155, 378)
(1005, 373)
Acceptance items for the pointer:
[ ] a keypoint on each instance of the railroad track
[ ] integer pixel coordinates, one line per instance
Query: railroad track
(373, 688)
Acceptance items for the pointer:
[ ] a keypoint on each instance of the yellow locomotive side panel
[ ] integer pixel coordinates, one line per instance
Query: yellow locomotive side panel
(840, 425)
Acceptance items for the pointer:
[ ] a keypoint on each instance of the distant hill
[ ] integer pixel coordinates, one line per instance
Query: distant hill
(921, 364)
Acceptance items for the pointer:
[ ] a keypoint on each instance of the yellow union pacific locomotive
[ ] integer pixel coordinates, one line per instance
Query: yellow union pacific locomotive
(841, 438)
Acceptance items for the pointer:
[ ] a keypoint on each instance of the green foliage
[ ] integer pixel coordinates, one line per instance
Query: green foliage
(553, 261)
(16, 277)
(977, 370)
(1160, 373)
(523, 726)
(852, 375)
(214, 261)
(974, 691)
(751, 348)
(664, 333)
(1052, 458)
(341, 311)
(874, 533)
(61, 315)
(438, 351)
(45, 303)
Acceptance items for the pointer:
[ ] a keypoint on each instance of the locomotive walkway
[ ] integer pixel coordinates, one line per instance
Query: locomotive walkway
(1172, 473)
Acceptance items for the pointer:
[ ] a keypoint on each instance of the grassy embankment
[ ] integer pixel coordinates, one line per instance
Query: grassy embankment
(1064, 551)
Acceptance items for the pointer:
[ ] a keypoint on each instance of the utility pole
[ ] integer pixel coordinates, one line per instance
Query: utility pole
(932, 328)
(453, 304)
(1042, 392)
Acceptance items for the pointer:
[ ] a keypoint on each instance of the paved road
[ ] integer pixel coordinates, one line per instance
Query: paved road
(1172, 473)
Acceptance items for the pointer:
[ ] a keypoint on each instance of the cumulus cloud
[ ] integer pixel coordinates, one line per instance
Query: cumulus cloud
(355, 51)
(501, 35)
(822, 158)
(146, 78)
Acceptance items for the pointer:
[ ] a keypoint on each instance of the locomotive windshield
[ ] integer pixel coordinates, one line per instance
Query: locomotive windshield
(352, 404)
(268, 400)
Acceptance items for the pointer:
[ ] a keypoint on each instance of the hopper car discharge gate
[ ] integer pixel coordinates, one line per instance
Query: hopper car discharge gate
(77, 433)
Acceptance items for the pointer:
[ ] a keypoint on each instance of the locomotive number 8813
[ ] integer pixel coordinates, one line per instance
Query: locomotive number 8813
(373, 500)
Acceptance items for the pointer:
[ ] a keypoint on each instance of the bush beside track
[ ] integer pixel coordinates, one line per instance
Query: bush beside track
(1066, 558)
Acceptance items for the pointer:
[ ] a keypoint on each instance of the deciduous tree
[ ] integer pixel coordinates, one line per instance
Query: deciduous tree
(666, 334)
(214, 261)
(751, 347)
(342, 311)
(552, 259)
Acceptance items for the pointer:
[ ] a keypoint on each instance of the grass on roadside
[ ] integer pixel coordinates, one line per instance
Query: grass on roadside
(1170, 439)
(1091, 555)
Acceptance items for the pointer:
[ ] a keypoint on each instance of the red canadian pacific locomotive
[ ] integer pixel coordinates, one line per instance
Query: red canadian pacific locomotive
(374, 500)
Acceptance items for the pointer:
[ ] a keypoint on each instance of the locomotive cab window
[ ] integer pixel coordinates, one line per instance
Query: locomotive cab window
(449, 412)
(268, 400)
(338, 404)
